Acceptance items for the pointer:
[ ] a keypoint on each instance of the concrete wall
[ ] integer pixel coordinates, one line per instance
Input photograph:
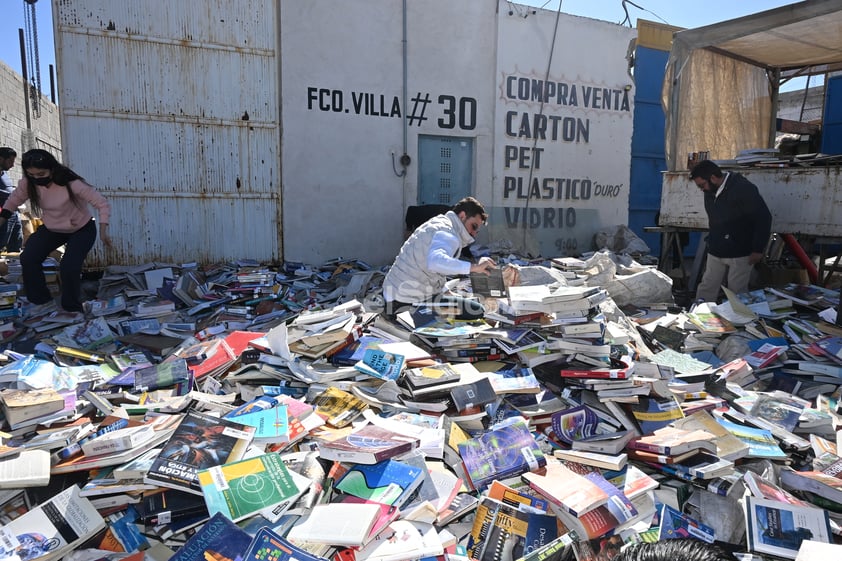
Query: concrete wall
(343, 107)
(563, 128)
(552, 172)
(45, 129)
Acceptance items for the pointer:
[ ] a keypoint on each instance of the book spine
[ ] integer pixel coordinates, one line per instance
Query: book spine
(651, 448)
(100, 446)
(75, 449)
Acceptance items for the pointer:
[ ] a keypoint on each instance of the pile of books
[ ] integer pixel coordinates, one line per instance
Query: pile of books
(241, 411)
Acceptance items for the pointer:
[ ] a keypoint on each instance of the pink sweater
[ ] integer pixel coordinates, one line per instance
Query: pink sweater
(58, 213)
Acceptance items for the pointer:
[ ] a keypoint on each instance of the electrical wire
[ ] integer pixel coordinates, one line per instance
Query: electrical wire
(540, 114)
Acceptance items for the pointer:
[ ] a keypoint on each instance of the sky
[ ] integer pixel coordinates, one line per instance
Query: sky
(672, 12)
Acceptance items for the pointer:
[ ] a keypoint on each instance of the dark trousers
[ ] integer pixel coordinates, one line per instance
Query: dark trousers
(11, 235)
(39, 245)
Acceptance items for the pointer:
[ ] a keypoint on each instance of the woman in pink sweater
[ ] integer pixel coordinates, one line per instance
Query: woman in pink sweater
(62, 198)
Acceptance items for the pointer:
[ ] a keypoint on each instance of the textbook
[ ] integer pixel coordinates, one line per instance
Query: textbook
(271, 426)
(380, 364)
(778, 528)
(218, 539)
(390, 482)
(247, 487)
(267, 545)
(368, 445)
(507, 449)
(52, 528)
(169, 505)
(29, 468)
(200, 441)
(347, 524)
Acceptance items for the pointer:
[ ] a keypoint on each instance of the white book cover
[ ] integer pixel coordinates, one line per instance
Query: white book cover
(345, 524)
(51, 529)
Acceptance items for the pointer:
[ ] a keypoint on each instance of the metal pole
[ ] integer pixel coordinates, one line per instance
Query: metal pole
(25, 78)
(52, 85)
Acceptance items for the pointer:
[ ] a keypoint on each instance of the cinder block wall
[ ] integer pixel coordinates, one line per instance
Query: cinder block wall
(45, 128)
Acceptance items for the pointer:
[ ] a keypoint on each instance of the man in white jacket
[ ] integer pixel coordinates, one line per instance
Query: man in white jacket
(430, 255)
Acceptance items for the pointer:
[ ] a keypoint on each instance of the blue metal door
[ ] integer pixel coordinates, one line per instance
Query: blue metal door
(832, 126)
(445, 169)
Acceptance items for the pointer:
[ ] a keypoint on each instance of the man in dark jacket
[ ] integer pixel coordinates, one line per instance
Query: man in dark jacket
(739, 224)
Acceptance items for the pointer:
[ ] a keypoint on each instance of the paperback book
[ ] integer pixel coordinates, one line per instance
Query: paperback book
(200, 441)
(508, 449)
(218, 539)
(390, 482)
(251, 486)
(778, 528)
(368, 445)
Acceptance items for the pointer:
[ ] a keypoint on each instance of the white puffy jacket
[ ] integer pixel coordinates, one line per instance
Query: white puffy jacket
(426, 258)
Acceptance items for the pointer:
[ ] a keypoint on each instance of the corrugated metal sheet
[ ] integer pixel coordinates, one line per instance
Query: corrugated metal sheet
(175, 119)
(802, 201)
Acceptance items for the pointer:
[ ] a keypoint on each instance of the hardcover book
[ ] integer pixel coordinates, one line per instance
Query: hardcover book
(508, 449)
(199, 442)
(247, 487)
(368, 445)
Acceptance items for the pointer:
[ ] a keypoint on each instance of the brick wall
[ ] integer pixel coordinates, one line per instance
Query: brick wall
(46, 130)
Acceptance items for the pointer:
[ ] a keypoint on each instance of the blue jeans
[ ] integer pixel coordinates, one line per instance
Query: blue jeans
(39, 245)
(11, 235)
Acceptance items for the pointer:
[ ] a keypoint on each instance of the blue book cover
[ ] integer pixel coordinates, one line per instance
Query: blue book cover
(653, 413)
(575, 424)
(257, 404)
(540, 531)
(675, 525)
(507, 450)
(353, 353)
(219, 538)
(380, 364)
(269, 546)
(270, 425)
(389, 482)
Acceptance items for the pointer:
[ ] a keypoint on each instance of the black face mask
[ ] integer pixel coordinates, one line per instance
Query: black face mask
(43, 181)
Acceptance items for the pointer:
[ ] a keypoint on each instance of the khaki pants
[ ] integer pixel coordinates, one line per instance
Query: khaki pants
(737, 271)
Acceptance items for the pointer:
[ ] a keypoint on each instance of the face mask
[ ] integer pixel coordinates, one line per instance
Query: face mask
(43, 181)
